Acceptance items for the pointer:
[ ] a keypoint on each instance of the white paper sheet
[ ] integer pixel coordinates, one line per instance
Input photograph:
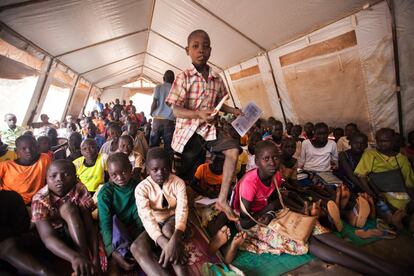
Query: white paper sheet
(244, 122)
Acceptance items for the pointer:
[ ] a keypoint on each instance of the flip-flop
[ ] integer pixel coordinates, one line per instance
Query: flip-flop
(362, 213)
(334, 215)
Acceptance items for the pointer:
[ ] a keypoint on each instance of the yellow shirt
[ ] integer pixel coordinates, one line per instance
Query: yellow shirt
(93, 176)
(242, 160)
(372, 161)
(10, 155)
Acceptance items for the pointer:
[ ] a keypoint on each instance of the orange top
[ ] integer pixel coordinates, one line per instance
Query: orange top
(25, 180)
(206, 176)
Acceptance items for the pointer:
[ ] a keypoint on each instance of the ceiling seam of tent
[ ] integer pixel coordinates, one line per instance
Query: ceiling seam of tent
(149, 29)
(229, 25)
(156, 71)
(101, 42)
(113, 62)
(21, 4)
(182, 47)
(117, 73)
(160, 59)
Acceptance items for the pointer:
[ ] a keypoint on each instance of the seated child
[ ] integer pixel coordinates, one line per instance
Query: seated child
(296, 135)
(92, 133)
(195, 112)
(90, 167)
(208, 177)
(308, 131)
(61, 212)
(45, 145)
(118, 212)
(15, 238)
(343, 142)
(253, 140)
(392, 206)
(5, 153)
(409, 150)
(126, 145)
(276, 128)
(111, 145)
(140, 143)
(56, 146)
(257, 192)
(25, 175)
(74, 142)
(162, 206)
(318, 154)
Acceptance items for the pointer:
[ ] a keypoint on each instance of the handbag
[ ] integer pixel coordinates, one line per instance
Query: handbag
(389, 181)
(291, 225)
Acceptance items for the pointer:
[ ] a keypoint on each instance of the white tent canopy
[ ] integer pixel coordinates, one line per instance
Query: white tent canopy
(110, 43)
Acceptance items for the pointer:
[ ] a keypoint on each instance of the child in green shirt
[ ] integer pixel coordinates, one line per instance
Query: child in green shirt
(118, 216)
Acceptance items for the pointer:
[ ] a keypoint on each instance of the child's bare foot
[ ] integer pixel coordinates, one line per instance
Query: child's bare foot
(375, 233)
(334, 215)
(316, 209)
(397, 217)
(221, 237)
(235, 244)
(226, 209)
(345, 195)
(370, 200)
(362, 210)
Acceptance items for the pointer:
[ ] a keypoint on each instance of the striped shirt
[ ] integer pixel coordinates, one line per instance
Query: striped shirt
(191, 91)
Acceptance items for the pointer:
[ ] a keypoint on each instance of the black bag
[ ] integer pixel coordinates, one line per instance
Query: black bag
(389, 181)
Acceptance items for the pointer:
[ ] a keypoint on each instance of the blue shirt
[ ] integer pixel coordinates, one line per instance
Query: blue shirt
(100, 140)
(163, 111)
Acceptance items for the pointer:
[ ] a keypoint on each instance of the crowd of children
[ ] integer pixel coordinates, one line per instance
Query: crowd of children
(102, 201)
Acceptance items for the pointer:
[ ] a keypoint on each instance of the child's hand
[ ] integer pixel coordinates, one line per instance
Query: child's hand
(206, 115)
(81, 265)
(237, 112)
(173, 251)
(122, 262)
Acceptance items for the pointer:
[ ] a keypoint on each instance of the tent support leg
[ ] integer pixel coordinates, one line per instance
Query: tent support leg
(72, 92)
(86, 100)
(277, 89)
(227, 82)
(39, 90)
(396, 66)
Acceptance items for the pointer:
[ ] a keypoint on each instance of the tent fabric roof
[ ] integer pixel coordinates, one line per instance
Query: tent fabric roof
(112, 41)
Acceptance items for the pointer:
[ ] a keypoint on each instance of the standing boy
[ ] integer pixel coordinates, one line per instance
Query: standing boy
(193, 97)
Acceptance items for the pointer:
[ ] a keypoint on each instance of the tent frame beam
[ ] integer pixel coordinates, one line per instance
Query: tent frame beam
(160, 59)
(228, 87)
(101, 42)
(276, 87)
(86, 100)
(118, 73)
(180, 46)
(21, 4)
(71, 96)
(41, 91)
(228, 25)
(113, 62)
(396, 66)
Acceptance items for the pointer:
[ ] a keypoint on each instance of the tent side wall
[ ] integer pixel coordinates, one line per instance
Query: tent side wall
(341, 73)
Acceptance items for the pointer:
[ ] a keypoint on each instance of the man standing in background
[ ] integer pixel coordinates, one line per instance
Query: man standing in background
(163, 118)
